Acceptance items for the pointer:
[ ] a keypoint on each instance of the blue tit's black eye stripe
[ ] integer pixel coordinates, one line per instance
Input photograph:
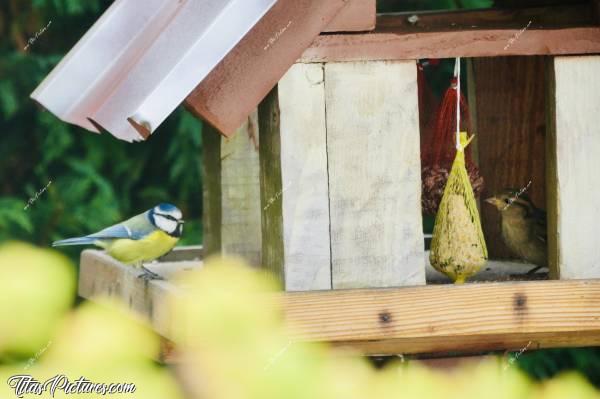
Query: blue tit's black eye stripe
(166, 216)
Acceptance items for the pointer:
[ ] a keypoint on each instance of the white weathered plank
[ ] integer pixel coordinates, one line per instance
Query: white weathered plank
(374, 174)
(577, 146)
(240, 194)
(304, 192)
(101, 275)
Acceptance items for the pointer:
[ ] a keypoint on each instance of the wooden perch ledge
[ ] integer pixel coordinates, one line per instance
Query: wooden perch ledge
(556, 30)
(468, 318)
(430, 319)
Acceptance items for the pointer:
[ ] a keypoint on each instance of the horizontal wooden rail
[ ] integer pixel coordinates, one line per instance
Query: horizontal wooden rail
(102, 276)
(430, 319)
(547, 17)
(443, 318)
(482, 33)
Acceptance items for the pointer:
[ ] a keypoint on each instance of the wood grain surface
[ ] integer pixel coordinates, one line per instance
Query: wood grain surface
(231, 193)
(574, 152)
(271, 185)
(470, 318)
(211, 190)
(356, 16)
(374, 174)
(103, 276)
(476, 33)
(546, 17)
(240, 194)
(510, 125)
(305, 188)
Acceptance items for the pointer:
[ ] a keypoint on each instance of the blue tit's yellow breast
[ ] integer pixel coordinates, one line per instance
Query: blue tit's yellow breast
(151, 247)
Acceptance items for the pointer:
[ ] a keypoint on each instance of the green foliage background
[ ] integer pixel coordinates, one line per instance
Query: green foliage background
(97, 180)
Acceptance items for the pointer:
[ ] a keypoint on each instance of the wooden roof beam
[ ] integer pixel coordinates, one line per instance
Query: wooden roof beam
(558, 30)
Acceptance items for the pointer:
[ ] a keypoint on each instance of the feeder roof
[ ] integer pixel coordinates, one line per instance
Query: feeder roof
(138, 63)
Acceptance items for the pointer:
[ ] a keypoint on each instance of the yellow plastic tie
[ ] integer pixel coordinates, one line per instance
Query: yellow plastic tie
(464, 141)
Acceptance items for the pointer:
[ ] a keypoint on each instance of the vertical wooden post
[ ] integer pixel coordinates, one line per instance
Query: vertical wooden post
(373, 148)
(231, 193)
(510, 121)
(551, 171)
(294, 172)
(270, 185)
(340, 176)
(211, 190)
(240, 194)
(304, 177)
(573, 178)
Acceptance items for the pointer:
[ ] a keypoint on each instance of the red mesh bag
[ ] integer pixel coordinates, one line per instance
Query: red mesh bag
(438, 154)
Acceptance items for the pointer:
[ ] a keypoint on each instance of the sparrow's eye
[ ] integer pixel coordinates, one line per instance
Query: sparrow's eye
(508, 201)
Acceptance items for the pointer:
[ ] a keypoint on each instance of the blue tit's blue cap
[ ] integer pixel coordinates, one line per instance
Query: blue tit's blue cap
(166, 207)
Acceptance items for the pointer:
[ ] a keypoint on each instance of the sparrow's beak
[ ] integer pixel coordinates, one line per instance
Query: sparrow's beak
(492, 200)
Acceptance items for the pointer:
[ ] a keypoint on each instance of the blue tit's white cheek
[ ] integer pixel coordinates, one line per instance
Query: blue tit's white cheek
(176, 213)
(166, 225)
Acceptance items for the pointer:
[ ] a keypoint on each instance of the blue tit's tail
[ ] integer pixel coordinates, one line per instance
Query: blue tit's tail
(75, 241)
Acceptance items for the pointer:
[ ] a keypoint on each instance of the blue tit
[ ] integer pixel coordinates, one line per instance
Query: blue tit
(142, 238)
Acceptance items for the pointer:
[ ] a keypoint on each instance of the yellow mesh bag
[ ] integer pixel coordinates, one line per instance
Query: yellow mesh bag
(458, 248)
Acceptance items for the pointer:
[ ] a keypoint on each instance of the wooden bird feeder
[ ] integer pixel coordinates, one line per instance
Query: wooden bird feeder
(322, 182)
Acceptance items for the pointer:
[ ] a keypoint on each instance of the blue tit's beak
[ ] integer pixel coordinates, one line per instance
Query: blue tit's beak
(181, 221)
